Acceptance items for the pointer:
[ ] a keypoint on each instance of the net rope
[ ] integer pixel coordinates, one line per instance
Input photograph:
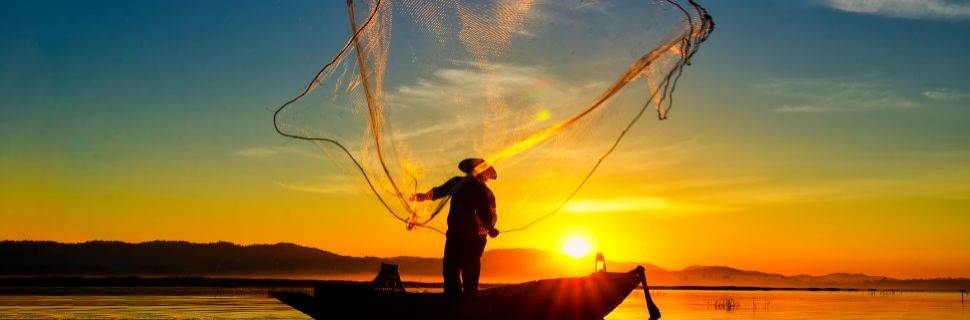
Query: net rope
(681, 47)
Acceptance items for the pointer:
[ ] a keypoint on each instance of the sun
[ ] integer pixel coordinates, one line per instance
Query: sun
(576, 247)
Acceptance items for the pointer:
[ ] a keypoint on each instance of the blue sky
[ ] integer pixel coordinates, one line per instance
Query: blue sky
(145, 69)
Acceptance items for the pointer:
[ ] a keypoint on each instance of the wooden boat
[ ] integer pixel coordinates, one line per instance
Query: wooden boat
(589, 297)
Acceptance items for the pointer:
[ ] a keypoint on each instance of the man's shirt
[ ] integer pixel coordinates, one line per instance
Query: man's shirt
(472, 209)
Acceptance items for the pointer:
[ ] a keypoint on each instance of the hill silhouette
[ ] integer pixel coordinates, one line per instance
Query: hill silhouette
(286, 260)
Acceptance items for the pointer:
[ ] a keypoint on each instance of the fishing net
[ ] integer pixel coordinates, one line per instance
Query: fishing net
(543, 90)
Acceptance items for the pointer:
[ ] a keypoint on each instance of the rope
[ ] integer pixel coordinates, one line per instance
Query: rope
(665, 90)
(668, 88)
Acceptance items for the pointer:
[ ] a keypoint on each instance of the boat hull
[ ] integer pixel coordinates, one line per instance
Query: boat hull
(590, 297)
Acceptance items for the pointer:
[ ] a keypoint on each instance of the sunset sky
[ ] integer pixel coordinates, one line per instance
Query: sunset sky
(808, 137)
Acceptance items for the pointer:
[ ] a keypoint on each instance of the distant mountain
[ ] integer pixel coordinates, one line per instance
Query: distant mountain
(285, 260)
(183, 258)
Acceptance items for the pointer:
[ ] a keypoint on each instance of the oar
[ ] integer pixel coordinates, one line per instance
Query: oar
(651, 307)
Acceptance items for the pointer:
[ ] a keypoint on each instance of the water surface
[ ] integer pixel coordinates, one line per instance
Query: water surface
(790, 305)
(167, 303)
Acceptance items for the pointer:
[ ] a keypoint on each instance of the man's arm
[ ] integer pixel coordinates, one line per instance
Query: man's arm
(486, 213)
(437, 192)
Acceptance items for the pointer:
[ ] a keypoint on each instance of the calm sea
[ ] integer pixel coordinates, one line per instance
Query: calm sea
(675, 304)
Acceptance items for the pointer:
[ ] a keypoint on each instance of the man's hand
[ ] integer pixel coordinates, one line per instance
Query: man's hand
(493, 233)
(421, 196)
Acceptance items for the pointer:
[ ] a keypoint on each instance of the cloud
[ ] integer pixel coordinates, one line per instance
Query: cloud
(817, 96)
(909, 9)
(324, 188)
(946, 95)
(802, 109)
(510, 91)
(329, 184)
(632, 204)
(268, 152)
(432, 129)
(257, 152)
(468, 81)
(937, 178)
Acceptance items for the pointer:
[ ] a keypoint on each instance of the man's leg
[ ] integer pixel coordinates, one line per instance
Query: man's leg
(472, 266)
(450, 269)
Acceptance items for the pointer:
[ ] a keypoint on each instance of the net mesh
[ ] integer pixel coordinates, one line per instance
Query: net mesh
(543, 90)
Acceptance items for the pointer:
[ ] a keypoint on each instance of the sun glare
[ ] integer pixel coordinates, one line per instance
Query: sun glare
(576, 247)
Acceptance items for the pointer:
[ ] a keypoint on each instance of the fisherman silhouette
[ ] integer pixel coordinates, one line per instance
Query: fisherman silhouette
(471, 217)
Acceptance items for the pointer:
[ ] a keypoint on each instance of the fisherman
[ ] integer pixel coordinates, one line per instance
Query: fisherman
(471, 217)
